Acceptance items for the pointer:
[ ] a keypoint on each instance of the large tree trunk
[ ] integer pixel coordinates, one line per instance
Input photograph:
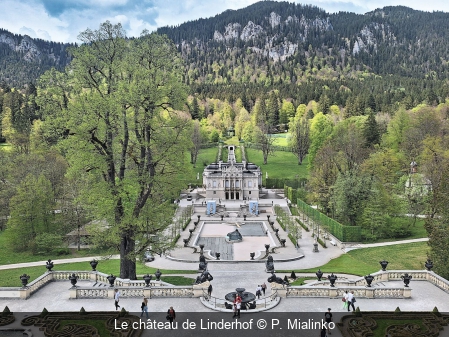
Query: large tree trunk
(127, 264)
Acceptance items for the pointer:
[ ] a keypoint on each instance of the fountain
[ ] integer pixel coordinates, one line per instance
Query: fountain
(244, 295)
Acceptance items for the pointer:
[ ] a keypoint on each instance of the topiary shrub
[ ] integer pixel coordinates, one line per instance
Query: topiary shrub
(293, 275)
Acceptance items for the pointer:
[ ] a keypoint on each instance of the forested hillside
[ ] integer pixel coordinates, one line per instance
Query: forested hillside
(23, 59)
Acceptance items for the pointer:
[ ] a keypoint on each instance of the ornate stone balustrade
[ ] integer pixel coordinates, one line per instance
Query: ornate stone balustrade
(362, 292)
(132, 292)
(93, 276)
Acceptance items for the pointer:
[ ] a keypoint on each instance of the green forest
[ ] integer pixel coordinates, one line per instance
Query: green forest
(107, 137)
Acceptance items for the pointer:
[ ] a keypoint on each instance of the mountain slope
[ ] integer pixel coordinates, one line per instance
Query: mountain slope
(23, 59)
(271, 42)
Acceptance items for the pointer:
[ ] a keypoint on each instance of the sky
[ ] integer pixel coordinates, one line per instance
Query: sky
(63, 20)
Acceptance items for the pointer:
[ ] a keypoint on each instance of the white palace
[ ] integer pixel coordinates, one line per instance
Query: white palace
(231, 180)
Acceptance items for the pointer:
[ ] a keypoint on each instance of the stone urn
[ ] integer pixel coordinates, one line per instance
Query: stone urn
(199, 216)
(158, 275)
(252, 255)
(384, 265)
(73, 279)
(268, 217)
(201, 247)
(406, 278)
(332, 278)
(195, 223)
(24, 278)
(94, 264)
(222, 216)
(111, 279)
(267, 246)
(49, 265)
(244, 217)
(191, 231)
(276, 230)
(369, 279)
(217, 255)
(429, 264)
(147, 278)
(186, 242)
(283, 241)
(319, 274)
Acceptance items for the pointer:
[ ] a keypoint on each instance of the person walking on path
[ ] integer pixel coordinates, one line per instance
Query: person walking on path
(237, 306)
(144, 306)
(258, 291)
(328, 319)
(264, 288)
(350, 300)
(117, 298)
(171, 315)
(345, 300)
(209, 290)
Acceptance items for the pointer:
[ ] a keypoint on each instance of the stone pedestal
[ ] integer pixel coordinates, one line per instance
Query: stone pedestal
(147, 292)
(407, 292)
(111, 292)
(384, 276)
(369, 292)
(200, 289)
(333, 292)
(72, 293)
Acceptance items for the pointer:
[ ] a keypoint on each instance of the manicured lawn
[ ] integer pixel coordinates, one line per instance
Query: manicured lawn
(280, 165)
(365, 261)
(281, 139)
(7, 256)
(205, 157)
(10, 277)
(178, 280)
(300, 281)
(417, 231)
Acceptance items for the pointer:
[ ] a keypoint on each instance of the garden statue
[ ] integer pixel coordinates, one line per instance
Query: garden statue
(384, 265)
(111, 278)
(429, 264)
(406, 278)
(49, 265)
(332, 278)
(24, 278)
(270, 264)
(158, 275)
(147, 278)
(94, 264)
(203, 263)
(73, 279)
(275, 279)
(369, 279)
(205, 276)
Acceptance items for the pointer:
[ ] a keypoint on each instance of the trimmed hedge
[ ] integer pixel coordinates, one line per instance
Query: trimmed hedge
(342, 232)
(302, 225)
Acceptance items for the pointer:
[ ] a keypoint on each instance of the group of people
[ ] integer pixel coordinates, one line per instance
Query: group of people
(261, 289)
(349, 300)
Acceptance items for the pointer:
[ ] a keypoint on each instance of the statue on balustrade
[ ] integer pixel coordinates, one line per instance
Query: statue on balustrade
(203, 263)
(205, 276)
(275, 279)
(270, 264)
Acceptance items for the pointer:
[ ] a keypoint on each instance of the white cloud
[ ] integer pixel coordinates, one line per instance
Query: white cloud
(27, 31)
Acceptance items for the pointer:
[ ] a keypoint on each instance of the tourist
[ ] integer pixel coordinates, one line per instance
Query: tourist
(171, 315)
(117, 299)
(328, 318)
(144, 306)
(258, 291)
(345, 301)
(264, 288)
(237, 306)
(209, 290)
(351, 300)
